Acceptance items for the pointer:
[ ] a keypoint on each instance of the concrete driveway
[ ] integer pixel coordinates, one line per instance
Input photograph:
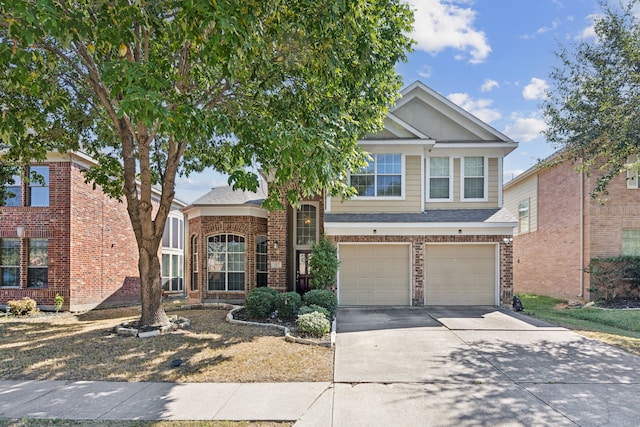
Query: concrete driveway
(470, 366)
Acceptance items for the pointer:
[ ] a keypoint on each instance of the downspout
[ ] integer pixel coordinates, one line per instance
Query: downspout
(581, 290)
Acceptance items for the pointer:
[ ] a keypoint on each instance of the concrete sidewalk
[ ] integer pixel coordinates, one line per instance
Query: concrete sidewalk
(102, 400)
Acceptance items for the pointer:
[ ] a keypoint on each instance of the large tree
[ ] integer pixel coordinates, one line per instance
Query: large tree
(593, 107)
(151, 89)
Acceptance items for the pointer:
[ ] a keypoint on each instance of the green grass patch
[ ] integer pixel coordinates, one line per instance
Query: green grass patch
(618, 322)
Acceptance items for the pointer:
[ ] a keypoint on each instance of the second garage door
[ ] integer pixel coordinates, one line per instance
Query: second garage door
(460, 275)
(374, 274)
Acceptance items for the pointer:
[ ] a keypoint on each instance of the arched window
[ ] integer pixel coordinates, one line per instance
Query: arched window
(261, 261)
(225, 263)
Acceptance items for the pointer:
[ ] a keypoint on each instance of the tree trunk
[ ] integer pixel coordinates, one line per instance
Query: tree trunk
(151, 288)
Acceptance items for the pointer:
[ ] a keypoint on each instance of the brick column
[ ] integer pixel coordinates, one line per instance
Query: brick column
(277, 250)
(506, 272)
(418, 274)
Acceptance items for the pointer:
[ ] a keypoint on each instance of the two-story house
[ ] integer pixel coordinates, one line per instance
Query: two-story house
(427, 225)
(60, 236)
(561, 227)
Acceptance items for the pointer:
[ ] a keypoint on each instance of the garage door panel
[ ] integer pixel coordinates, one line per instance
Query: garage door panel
(460, 274)
(374, 275)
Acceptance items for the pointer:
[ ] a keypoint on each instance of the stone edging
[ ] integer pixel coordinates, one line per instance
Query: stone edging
(287, 331)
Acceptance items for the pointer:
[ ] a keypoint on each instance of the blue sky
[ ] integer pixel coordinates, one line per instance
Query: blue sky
(491, 57)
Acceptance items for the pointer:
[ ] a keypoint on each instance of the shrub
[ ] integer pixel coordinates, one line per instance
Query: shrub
(287, 304)
(323, 264)
(23, 307)
(306, 309)
(324, 298)
(260, 302)
(613, 277)
(314, 324)
(59, 302)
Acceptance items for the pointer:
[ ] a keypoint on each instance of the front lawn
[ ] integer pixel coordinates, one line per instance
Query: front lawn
(84, 347)
(617, 327)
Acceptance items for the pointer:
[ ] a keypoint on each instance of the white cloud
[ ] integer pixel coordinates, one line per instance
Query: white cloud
(442, 24)
(489, 85)
(477, 107)
(525, 129)
(589, 31)
(535, 89)
(425, 72)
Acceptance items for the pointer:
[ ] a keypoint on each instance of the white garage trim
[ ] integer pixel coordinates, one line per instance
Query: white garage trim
(496, 267)
(409, 248)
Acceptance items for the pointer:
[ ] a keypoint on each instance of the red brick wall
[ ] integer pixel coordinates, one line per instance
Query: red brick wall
(247, 226)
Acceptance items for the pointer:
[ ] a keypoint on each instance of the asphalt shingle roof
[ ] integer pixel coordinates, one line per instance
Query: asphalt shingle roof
(227, 196)
(439, 215)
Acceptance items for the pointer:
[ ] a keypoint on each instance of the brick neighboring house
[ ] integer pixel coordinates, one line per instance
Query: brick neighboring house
(561, 227)
(427, 227)
(63, 237)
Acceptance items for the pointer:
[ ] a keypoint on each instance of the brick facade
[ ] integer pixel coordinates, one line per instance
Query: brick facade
(551, 259)
(92, 253)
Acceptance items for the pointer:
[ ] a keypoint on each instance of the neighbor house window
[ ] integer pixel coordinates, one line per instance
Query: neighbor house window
(173, 233)
(382, 177)
(306, 225)
(440, 178)
(523, 216)
(194, 263)
(225, 263)
(172, 272)
(38, 263)
(474, 177)
(261, 261)
(632, 173)
(39, 186)
(14, 192)
(10, 262)
(631, 242)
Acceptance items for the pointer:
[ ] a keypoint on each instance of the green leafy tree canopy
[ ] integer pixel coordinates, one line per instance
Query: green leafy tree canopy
(593, 107)
(157, 88)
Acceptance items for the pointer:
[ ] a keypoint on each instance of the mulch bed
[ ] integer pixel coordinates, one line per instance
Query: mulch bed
(620, 303)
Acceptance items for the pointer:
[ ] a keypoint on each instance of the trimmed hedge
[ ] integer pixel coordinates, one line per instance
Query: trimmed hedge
(287, 304)
(260, 302)
(23, 307)
(323, 298)
(614, 277)
(306, 309)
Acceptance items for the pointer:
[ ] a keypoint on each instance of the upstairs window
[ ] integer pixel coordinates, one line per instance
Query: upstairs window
(632, 173)
(382, 177)
(14, 192)
(10, 262)
(440, 178)
(38, 186)
(173, 233)
(306, 225)
(523, 216)
(474, 178)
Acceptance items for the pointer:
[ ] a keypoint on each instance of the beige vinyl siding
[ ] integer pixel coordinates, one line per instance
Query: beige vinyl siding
(493, 189)
(411, 202)
(525, 189)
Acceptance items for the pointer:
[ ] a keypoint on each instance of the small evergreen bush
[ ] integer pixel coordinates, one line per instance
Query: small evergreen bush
(314, 324)
(323, 264)
(306, 309)
(287, 304)
(260, 302)
(23, 307)
(323, 298)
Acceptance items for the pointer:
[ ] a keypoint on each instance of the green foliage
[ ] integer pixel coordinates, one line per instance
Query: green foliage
(620, 322)
(24, 307)
(613, 277)
(260, 302)
(593, 107)
(287, 304)
(323, 298)
(314, 324)
(154, 89)
(305, 309)
(59, 302)
(323, 264)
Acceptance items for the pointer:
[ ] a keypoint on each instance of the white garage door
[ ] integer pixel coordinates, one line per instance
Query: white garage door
(460, 275)
(374, 275)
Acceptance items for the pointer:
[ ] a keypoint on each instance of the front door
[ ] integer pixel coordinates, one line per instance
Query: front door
(302, 271)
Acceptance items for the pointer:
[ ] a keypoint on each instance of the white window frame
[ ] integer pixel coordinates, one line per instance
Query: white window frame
(295, 225)
(428, 183)
(226, 270)
(375, 175)
(632, 175)
(523, 217)
(485, 178)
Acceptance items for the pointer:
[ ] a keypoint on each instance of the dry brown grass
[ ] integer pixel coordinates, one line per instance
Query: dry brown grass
(629, 344)
(84, 347)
